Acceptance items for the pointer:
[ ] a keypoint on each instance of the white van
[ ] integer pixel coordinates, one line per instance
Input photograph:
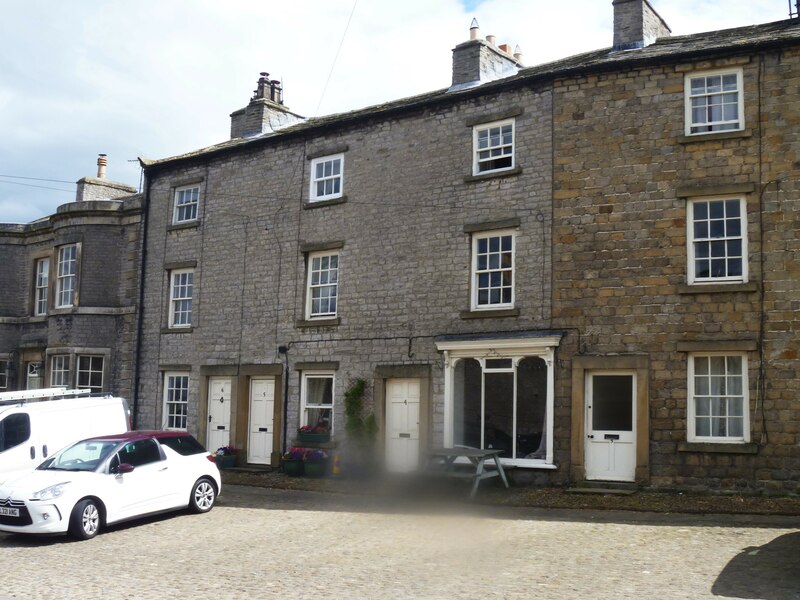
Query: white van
(36, 423)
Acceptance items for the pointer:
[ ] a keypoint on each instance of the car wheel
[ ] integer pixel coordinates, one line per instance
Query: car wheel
(84, 523)
(204, 493)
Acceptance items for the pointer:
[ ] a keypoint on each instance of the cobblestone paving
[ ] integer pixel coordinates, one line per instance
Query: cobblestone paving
(287, 544)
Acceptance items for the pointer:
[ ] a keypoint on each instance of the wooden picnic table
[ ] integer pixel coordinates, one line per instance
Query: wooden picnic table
(443, 460)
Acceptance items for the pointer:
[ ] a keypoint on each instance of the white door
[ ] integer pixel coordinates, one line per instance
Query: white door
(611, 426)
(219, 413)
(262, 429)
(402, 425)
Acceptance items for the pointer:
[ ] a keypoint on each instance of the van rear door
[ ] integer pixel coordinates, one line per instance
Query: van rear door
(18, 452)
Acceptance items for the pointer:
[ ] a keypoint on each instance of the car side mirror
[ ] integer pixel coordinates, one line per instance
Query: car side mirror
(122, 469)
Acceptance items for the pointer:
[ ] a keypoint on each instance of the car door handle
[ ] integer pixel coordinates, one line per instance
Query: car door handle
(163, 469)
(33, 451)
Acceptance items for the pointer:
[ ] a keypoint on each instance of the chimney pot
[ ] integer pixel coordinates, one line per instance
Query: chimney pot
(102, 161)
(491, 39)
(518, 53)
(474, 30)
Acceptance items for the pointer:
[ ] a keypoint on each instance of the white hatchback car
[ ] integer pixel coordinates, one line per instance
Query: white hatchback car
(108, 479)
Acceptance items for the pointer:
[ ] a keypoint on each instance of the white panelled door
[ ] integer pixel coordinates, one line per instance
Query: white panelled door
(219, 413)
(611, 426)
(262, 430)
(402, 425)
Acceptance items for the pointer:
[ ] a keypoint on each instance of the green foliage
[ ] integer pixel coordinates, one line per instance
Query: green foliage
(359, 429)
(371, 428)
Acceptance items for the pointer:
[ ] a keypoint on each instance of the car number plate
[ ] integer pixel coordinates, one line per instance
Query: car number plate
(9, 512)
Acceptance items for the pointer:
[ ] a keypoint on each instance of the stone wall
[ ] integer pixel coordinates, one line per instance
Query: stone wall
(404, 259)
(601, 255)
(623, 171)
(102, 322)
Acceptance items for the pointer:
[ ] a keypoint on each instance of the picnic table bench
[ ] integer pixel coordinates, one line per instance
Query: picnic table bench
(443, 461)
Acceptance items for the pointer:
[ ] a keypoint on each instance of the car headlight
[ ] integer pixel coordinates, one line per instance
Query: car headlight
(51, 492)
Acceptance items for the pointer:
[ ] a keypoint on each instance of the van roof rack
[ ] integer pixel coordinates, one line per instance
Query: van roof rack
(41, 394)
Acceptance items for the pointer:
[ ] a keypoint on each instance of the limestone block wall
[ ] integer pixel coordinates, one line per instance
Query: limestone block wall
(404, 252)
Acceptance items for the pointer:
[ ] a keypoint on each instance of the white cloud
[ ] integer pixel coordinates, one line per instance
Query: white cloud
(157, 78)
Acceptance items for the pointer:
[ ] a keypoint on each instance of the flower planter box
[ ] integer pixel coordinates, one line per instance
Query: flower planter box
(225, 462)
(313, 437)
(293, 467)
(316, 468)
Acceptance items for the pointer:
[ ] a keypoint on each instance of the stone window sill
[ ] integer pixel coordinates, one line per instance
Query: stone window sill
(717, 288)
(177, 329)
(490, 314)
(710, 447)
(304, 323)
(712, 137)
(309, 204)
(492, 175)
(182, 226)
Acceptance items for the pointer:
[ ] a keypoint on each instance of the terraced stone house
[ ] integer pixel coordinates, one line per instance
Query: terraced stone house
(589, 264)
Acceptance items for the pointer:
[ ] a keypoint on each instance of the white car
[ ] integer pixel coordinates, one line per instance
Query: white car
(108, 479)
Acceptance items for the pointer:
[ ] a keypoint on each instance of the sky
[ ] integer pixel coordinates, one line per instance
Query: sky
(156, 78)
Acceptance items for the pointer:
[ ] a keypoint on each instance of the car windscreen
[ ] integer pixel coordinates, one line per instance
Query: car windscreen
(83, 456)
(184, 444)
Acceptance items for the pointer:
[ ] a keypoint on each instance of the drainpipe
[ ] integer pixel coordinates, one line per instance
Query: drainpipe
(285, 351)
(140, 302)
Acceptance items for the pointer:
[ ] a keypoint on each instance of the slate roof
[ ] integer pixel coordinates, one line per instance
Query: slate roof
(667, 49)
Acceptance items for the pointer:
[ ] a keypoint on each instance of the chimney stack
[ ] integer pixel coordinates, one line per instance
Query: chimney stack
(637, 24)
(101, 166)
(265, 113)
(478, 61)
(93, 189)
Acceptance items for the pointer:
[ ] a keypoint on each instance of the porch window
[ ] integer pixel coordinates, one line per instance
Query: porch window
(500, 396)
(501, 404)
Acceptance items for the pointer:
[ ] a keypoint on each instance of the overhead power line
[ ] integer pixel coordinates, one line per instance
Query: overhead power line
(37, 179)
(330, 73)
(43, 187)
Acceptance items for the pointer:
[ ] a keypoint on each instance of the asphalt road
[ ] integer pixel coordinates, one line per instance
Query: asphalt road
(261, 543)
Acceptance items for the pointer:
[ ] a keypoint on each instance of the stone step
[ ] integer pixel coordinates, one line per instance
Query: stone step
(601, 490)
